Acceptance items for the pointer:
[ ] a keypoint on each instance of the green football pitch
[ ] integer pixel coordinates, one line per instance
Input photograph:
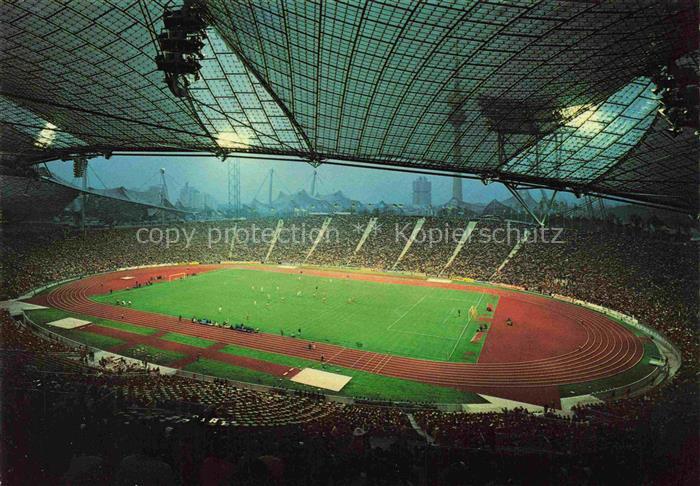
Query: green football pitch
(421, 322)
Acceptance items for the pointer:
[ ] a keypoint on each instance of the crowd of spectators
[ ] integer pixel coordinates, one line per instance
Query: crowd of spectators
(81, 424)
(122, 420)
(38, 255)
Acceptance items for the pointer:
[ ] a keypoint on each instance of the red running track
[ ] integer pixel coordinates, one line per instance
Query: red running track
(551, 342)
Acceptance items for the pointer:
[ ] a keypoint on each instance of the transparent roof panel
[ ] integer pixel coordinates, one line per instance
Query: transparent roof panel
(590, 143)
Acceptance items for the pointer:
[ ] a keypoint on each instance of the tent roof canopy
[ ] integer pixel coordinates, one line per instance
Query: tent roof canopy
(553, 93)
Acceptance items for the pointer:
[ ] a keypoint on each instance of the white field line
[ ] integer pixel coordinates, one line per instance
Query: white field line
(405, 313)
(452, 309)
(426, 335)
(331, 309)
(463, 301)
(463, 330)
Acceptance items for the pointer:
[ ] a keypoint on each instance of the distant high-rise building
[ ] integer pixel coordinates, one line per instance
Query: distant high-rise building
(422, 192)
(193, 198)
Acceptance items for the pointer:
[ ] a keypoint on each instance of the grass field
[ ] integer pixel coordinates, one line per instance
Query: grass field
(420, 322)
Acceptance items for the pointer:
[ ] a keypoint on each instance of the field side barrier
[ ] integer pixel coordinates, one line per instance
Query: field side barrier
(671, 354)
(34, 292)
(239, 384)
(509, 286)
(634, 388)
(361, 270)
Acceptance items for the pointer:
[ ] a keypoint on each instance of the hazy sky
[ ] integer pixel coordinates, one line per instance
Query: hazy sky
(210, 175)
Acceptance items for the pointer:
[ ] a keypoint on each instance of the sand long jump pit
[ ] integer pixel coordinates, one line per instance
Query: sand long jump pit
(69, 323)
(321, 379)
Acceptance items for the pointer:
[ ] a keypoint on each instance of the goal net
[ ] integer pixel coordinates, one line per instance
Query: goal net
(176, 276)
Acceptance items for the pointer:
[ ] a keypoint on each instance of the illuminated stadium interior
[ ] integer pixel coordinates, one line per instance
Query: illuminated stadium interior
(349, 241)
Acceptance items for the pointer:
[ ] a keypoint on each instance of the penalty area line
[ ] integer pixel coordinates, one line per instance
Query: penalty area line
(464, 330)
(426, 335)
(407, 311)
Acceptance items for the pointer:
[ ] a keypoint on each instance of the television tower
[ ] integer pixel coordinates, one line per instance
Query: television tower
(80, 169)
(163, 194)
(456, 120)
(234, 187)
(313, 185)
(269, 192)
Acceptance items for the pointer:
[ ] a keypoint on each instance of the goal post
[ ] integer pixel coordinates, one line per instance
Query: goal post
(176, 276)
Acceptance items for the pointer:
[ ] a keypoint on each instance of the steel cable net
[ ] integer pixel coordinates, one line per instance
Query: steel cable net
(88, 69)
(491, 88)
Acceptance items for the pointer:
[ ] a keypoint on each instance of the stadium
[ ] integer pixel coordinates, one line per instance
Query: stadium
(458, 242)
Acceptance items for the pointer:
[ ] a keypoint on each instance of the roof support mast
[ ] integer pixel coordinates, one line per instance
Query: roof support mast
(540, 220)
(83, 199)
(163, 194)
(269, 192)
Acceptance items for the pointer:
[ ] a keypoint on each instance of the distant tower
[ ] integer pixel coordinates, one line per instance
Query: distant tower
(422, 192)
(163, 194)
(269, 193)
(456, 119)
(234, 188)
(80, 169)
(457, 195)
(313, 185)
